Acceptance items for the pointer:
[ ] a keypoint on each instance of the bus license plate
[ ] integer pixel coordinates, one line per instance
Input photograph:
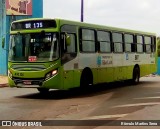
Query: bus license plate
(27, 82)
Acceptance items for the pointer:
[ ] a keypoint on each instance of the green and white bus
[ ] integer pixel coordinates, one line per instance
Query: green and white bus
(61, 54)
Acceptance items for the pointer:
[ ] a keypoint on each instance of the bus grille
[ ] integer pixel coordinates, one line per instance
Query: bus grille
(28, 67)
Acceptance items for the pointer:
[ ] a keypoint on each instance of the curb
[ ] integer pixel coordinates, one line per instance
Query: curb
(3, 85)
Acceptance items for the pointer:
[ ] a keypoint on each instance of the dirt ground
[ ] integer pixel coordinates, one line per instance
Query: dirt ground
(3, 80)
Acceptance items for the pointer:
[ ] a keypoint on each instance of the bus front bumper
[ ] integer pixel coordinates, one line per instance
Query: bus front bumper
(51, 83)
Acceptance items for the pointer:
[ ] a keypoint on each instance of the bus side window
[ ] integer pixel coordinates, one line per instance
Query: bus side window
(87, 41)
(140, 45)
(128, 40)
(104, 41)
(118, 42)
(148, 44)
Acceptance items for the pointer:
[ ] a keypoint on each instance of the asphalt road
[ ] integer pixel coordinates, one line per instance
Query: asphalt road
(114, 101)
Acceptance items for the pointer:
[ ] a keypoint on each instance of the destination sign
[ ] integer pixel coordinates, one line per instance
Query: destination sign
(37, 24)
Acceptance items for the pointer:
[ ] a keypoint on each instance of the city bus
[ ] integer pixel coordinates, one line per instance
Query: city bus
(61, 54)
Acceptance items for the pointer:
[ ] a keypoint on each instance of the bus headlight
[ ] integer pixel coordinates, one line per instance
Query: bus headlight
(54, 72)
(51, 74)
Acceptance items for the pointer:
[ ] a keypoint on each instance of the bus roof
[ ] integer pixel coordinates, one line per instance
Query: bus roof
(92, 26)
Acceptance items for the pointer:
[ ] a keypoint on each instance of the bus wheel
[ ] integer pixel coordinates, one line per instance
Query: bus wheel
(136, 76)
(86, 78)
(43, 90)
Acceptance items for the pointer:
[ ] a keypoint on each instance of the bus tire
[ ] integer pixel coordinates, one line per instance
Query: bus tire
(136, 75)
(86, 78)
(43, 90)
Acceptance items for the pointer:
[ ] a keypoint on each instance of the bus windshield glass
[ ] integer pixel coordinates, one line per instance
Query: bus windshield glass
(34, 47)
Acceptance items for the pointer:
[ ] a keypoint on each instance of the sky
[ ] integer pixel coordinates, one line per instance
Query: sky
(142, 15)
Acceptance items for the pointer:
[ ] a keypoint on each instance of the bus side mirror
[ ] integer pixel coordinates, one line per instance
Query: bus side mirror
(68, 40)
(3, 42)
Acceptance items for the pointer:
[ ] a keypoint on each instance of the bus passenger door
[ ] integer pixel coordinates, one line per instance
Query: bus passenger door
(69, 62)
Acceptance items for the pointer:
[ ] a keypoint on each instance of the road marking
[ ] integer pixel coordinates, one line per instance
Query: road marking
(157, 97)
(137, 104)
(153, 93)
(156, 93)
(105, 117)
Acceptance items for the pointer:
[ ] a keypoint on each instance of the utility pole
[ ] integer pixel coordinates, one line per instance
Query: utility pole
(82, 10)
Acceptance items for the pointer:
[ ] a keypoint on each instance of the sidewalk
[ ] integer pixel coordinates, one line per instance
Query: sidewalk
(3, 81)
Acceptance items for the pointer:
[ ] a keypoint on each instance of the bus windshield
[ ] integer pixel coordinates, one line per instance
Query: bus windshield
(34, 47)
